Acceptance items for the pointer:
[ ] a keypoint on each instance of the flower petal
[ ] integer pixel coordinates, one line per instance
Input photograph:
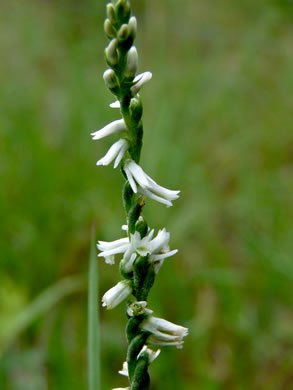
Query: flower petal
(112, 128)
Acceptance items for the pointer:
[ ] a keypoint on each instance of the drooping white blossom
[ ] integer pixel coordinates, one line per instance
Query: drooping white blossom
(116, 294)
(110, 249)
(112, 128)
(164, 332)
(142, 183)
(116, 151)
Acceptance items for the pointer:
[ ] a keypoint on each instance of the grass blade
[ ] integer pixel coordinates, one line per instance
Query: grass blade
(38, 307)
(94, 371)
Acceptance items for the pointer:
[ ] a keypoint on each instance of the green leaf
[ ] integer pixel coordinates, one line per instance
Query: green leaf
(94, 371)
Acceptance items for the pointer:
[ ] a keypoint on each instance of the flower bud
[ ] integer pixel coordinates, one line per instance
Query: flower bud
(135, 108)
(132, 62)
(132, 26)
(109, 29)
(111, 52)
(110, 78)
(111, 13)
(138, 308)
(149, 354)
(141, 227)
(123, 33)
(123, 10)
(134, 214)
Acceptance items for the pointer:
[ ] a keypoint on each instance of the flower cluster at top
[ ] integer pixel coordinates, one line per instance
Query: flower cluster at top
(142, 252)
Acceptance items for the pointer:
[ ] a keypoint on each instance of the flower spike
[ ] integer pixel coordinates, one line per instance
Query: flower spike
(141, 251)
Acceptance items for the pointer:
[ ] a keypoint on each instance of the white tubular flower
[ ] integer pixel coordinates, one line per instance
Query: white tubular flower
(111, 128)
(110, 249)
(124, 370)
(116, 152)
(115, 104)
(116, 294)
(160, 249)
(152, 355)
(164, 332)
(142, 183)
(137, 245)
(139, 81)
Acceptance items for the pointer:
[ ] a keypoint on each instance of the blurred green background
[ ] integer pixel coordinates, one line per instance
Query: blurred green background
(218, 126)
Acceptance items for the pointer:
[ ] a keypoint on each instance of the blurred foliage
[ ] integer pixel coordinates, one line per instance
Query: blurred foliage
(218, 126)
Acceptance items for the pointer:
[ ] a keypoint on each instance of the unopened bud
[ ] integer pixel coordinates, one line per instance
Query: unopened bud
(123, 33)
(132, 26)
(111, 13)
(132, 62)
(135, 108)
(123, 11)
(111, 52)
(109, 29)
(110, 78)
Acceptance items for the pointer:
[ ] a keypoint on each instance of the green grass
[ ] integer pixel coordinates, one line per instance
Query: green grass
(220, 103)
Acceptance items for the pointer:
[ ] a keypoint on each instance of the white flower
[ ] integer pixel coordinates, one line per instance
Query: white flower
(112, 128)
(109, 249)
(142, 183)
(116, 151)
(115, 104)
(136, 246)
(116, 294)
(139, 81)
(164, 332)
(152, 355)
(124, 370)
(157, 248)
